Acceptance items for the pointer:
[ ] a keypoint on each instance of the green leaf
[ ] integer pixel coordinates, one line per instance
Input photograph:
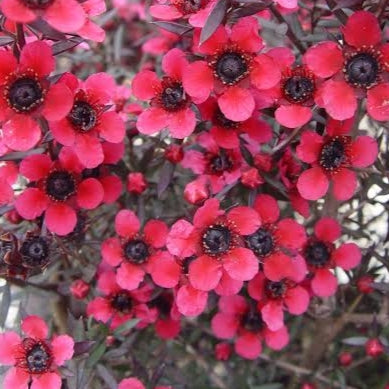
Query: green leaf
(96, 354)
(128, 325)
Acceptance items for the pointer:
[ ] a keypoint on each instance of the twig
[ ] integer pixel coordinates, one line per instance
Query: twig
(286, 141)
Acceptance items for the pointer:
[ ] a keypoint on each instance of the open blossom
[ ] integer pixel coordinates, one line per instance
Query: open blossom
(357, 69)
(118, 305)
(136, 253)
(169, 99)
(236, 319)
(34, 358)
(231, 67)
(215, 238)
(26, 94)
(89, 120)
(332, 158)
(63, 15)
(321, 256)
(56, 190)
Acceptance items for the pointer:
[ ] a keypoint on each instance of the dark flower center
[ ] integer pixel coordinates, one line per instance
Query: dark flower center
(298, 89)
(163, 303)
(220, 163)
(60, 185)
(275, 289)
(252, 321)
(136, 251)
(122, 302)
(231, 67)
(362, 70)
(25, 94)
(83, 116)
(186, 263)
(222, 121)
(261, 242)
(35, 252)
(173, 96)
(216, 240)
(317, 254)
(333, 154)
(37, 4)
(91, 173)
(38, 356)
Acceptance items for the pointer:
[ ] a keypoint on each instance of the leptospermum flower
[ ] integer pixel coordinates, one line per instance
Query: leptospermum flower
(169, 99)
(139, 253)
(34, 359)
(236, 319)
(231, 68)
(26, 95)
(322, 256)
(56, 190)
(196, 11)
(89, 119)
(215, 240)
(276, 296)
(276, 242)
(63, 15)
(118, 305)
(332, 158)
(358, 68)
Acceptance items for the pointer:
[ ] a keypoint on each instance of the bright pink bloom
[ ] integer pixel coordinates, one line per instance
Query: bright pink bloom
(236, 319)
(215, 238)
(139, 253)
(8, 176)
(118, 305)
(26, 95)
(276, 242)
(56, 189)
(63, 15)
(91, 30)
(170, 100)
(34, 358)
(89, 121)
(322, 256)
(331, 157)
(232, 66)
(357, 69)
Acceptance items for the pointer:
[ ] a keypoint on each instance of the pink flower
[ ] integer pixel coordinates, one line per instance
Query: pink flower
(34, 357)
(139, 253)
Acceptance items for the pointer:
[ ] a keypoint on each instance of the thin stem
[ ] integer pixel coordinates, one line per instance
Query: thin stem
(20, 35)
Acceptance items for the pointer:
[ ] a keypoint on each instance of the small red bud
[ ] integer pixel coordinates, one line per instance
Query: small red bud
(13, 217)
(196, 191)
(223, 351)
(345, 359)
(79, 289)
(364, 284)
(251, 178)
(374, 347)
(174, 153)
(136, 183)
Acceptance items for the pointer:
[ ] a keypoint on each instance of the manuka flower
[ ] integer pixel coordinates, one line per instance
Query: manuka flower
(56, 189)
(35, 358)
(276, 242)
(332, 157)
(321, 256)
(236, 319)
(63, 15)
(139, 253)
(26, 95)
(215, 238)
(170, 100)
(232, 66)
(89, 119)
(118, 305)
(358, 68)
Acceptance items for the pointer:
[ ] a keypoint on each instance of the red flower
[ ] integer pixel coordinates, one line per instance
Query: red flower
(170, 100)
(236, 319)
(215, 238)
(275, 296)
(276, 242)
(357, 69)
(88, 119)
(232, 66)
(321, 256)
(63, 15)
(26, 94)
(137, 254)
(197, 11)
(331, 157)
(56, 189)
(89, 29)
(34, 358)
(119, 305)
